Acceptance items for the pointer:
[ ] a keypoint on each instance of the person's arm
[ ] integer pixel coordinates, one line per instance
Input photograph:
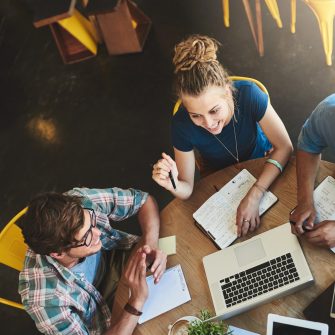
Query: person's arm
(148, 216)
(134, 274)
(182, 170)
(276, 133)
(53, 319)
(307, 166)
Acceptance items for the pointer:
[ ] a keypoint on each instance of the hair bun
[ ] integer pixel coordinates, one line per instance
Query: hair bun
(195, 49)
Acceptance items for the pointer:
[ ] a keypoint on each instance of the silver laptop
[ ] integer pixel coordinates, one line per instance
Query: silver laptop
(256, 271)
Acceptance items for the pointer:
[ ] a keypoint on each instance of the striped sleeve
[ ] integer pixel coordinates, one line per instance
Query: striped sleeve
(53, 320)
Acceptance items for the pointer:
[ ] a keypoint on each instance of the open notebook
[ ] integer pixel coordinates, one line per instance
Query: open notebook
(324, 201)
(217, 216)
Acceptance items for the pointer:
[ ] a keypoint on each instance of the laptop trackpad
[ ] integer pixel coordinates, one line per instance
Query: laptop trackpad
(249, 252)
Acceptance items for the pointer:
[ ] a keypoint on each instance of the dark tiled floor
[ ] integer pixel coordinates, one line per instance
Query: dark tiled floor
(108, 117)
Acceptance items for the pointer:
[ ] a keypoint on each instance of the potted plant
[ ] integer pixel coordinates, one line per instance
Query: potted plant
(191, 325)
(203, 327)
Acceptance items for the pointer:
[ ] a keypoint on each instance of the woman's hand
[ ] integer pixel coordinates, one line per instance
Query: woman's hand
(247, 217)
(160, 172)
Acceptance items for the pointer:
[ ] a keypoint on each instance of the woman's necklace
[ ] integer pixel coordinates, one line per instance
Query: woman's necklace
(235, 157)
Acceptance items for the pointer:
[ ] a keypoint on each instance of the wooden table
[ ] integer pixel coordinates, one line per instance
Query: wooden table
(193, 245)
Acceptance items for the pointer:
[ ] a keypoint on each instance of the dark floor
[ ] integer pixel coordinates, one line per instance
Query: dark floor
(104, 121)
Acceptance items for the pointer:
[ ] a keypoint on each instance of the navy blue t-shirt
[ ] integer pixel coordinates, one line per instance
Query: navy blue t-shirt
(250, 106)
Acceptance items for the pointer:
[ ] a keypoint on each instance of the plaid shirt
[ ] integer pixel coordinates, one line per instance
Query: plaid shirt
(61, 302)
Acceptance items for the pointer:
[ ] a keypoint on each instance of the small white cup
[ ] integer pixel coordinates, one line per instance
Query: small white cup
(179, 327)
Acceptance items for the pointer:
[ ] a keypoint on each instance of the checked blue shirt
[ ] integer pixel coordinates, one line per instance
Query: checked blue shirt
(59, 301)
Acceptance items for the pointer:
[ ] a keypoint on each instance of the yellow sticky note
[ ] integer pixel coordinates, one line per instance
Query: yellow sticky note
(168, 244)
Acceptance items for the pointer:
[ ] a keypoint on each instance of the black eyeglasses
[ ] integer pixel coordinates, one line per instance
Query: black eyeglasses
(87, 238)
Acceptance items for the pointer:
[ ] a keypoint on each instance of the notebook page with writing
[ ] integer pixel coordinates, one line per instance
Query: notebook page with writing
(324, 201)
(170, 292)
(217, 216)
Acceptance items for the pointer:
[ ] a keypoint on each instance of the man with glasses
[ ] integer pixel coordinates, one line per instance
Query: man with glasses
(75, 259)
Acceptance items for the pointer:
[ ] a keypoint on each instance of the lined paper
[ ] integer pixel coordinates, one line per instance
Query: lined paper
(324, 201)
(217, 216)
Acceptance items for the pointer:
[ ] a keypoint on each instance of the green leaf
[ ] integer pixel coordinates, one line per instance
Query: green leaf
(208, 328)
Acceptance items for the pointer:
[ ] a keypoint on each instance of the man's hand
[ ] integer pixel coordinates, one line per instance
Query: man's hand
(156, 261)
(150, 221)
(323, 234)
(304, 212)
(134, 274)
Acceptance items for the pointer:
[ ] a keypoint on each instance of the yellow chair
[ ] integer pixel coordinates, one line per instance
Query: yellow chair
(256, 28)
(198, 159)
(12, 250)
(324, 11)
(273, 9)
(293, 15)
(271, 4)
(225, 8)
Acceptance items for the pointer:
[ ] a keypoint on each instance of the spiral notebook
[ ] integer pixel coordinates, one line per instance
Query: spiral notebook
(217, 216)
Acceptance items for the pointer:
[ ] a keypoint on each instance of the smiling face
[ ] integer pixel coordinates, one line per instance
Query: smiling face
(212, 109)
(90, 233)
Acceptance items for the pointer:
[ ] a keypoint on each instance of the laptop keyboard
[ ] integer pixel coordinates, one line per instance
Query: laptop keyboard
(258, 280)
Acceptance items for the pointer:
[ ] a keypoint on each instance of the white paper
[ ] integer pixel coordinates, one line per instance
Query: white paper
(324, 201)
(217, 216)
(240, 331)
(170, 292)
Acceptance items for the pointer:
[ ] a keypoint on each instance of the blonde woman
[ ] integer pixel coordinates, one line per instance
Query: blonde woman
(226, 122)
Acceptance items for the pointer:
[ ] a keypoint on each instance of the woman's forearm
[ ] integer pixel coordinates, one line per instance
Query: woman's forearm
(183, 190)
(270, 171)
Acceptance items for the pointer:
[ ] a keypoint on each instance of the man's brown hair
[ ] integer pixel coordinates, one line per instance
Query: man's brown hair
(51, 222)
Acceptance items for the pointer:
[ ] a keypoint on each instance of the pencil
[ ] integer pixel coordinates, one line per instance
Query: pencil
(172, 180)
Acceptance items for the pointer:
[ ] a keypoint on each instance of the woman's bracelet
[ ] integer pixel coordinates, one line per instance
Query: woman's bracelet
(260, 187)
(276, 164)
(132, 310)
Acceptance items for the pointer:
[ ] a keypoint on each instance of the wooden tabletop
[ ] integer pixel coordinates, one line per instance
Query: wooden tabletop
(193, 245)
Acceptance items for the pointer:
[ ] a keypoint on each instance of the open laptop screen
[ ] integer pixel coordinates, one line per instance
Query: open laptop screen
(285, 329)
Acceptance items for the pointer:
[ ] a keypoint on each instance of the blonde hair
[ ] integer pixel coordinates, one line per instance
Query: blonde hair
(197, 67)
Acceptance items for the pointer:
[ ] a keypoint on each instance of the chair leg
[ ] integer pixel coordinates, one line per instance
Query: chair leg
(225, 7)
(324, 12)
(259, 28)
(293, 15)
(246, 4)
(326, 29)
(273, 8)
